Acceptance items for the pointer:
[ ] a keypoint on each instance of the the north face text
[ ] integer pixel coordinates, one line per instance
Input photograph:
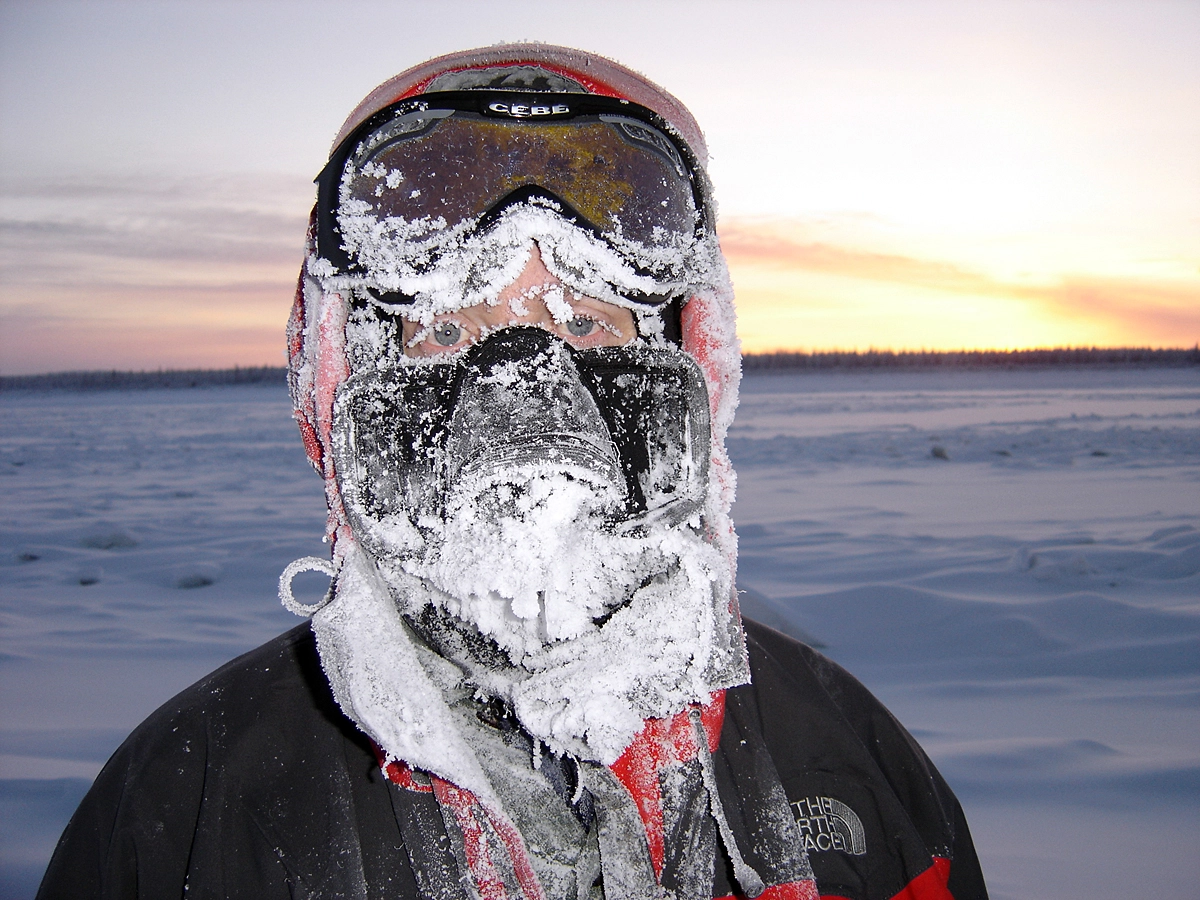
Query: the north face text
(829, 824)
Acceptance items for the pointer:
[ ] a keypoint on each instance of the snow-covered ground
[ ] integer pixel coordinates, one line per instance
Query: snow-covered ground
(1010, 560)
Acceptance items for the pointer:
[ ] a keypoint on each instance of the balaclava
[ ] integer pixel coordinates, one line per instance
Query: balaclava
(533, 559)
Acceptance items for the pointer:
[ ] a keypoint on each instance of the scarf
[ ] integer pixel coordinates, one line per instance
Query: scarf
(488, 812)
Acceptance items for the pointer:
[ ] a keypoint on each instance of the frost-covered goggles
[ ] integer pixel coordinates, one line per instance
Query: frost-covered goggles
(406, 438)
(427, 170)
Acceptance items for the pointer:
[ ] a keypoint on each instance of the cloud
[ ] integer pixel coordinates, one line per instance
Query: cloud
(124, 231)
(124, 272)
(1132, 309)
(1170, 311)
(78, 344)
(770, 244)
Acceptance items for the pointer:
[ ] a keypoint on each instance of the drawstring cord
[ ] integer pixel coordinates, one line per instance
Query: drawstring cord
(749, 880)
(305, 564)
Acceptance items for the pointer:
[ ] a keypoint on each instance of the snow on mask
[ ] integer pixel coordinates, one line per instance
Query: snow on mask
(530, 563)
(550, 500)
(520, 480)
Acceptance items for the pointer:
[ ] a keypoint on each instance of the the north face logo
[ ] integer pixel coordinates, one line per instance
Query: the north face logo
(828, 824)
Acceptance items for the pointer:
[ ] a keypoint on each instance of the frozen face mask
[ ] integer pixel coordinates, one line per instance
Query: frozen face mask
(522, 485)
(566, 501)
(524, 479)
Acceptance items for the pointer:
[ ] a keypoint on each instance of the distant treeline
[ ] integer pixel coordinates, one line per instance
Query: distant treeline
(752, 362)
(163, 378)
(981, 359)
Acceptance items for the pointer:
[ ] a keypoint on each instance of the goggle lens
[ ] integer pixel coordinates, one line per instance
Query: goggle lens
(424, 174)
(616, 174)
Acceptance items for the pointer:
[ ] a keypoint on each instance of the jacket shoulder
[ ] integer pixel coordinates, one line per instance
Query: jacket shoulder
(779, 659)
(209, 784)
(829, 722)
(286, 665)
(276, 692)
(837, 747)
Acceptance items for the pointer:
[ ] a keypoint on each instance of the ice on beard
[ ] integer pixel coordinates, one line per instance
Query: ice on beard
(530, 560)
(657, 653)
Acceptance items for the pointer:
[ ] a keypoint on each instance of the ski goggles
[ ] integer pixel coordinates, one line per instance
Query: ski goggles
(417, 176)
(398, 451)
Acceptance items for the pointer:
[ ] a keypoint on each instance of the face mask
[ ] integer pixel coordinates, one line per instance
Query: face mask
(631, 422)
(524, 478)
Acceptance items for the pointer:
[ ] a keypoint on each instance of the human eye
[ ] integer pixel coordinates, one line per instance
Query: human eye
(594, 323)
(441, 336)
(447, 333)
(581, 325)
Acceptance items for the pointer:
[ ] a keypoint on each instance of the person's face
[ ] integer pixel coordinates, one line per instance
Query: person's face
(535, 298)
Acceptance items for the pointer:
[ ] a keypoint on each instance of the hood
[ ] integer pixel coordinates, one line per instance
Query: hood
(316, 340)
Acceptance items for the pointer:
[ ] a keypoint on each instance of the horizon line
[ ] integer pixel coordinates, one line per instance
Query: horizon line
(1175, 357)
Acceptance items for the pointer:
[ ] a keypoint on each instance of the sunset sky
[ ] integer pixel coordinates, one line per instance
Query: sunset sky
(898, 175)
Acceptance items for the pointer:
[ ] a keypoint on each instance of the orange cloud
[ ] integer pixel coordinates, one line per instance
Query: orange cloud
(1163, 314)
(216, 334)
(125, 275)
(1099, 310)
(120, 273)
(752, 244)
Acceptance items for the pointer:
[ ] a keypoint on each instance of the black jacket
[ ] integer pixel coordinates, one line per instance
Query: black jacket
(252, 783)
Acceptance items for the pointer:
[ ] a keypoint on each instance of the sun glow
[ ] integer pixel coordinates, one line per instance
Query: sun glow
(795, 291)
(900, 176)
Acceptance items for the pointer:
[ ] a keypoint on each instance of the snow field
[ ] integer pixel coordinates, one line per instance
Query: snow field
(1026, 600)
(1010, 560)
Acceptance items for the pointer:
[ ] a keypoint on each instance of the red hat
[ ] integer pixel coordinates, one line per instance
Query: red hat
(543, 67)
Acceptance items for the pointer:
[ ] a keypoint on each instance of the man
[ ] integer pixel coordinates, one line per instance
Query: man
(513, 361)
